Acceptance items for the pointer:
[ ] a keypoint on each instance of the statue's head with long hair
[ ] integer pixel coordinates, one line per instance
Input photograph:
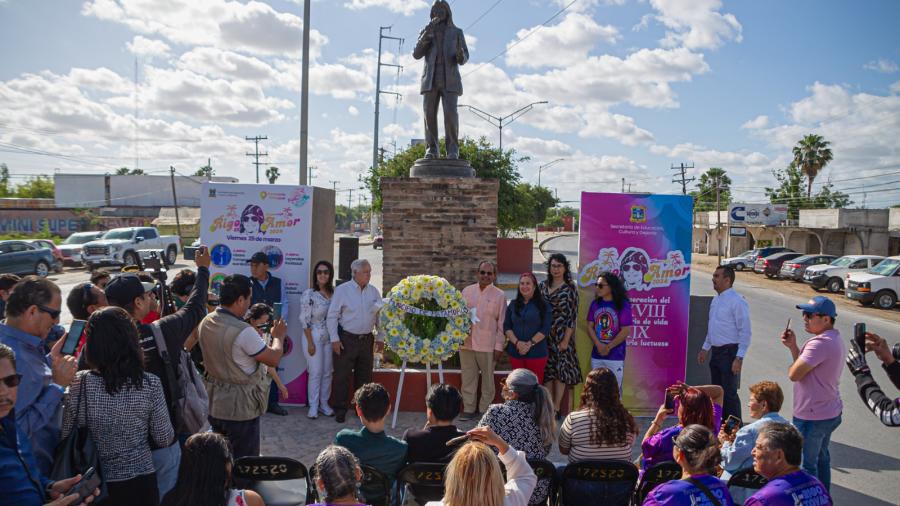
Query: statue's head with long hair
(448, 14)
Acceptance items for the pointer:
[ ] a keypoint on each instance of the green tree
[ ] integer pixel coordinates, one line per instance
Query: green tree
(488, 162)
(125, 171)
(791, 182)
(5, 190)
(205, 171)
(811, 155)
(556, 215)
(705, 195)
(272, 174)
(40, 187)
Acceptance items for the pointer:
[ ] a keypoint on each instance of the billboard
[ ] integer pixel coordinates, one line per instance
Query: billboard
(238, 220)
(770, 215)
(646, 241)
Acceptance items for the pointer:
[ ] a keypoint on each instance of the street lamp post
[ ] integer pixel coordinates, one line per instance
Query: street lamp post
(542, 167)
(501, 121)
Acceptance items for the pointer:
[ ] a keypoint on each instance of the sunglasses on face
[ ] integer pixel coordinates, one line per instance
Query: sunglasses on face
(628, 267)
(486, 273)
(323, 271)
(602, 285)
(12, 381)
(253, 218)
(54, 313)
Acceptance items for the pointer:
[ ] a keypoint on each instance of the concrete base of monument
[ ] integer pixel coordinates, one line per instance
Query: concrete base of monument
(441, 167)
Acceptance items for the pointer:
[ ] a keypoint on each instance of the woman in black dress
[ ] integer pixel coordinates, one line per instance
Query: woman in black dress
(562, 371)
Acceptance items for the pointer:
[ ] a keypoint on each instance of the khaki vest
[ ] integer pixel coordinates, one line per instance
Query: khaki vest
(233, 395)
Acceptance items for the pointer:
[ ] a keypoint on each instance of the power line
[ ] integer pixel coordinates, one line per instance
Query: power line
(483, 14)
(684, 180)
(257, 154)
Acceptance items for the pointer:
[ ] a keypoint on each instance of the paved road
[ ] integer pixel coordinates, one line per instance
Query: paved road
(865, 454)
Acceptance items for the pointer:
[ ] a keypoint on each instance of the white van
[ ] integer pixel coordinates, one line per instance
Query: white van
(878, 285)
(832, 276)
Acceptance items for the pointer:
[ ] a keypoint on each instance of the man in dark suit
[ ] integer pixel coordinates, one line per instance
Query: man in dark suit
(443, 46)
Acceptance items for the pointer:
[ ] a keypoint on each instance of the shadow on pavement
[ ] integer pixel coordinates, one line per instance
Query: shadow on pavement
(841, 495)
(859, 458)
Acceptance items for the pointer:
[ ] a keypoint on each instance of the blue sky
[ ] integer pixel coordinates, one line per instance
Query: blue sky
(633, 87)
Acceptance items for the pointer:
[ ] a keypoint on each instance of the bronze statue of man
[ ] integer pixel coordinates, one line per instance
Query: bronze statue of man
(443, 46)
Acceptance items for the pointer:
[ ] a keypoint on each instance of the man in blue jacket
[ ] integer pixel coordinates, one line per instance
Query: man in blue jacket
(21, 481)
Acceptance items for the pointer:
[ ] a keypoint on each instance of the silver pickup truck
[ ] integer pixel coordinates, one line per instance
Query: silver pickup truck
(123, 246)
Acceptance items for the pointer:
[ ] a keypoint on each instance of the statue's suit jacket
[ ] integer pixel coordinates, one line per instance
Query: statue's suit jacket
(453, 39)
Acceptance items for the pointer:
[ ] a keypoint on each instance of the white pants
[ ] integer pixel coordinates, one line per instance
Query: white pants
(616, 366)
(319, 368)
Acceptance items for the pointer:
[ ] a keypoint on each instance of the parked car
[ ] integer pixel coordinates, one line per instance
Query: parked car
(771, 264)
(121, 246)
(756, 254)
(23, 258)
(878, 285)
(71, 247)
(740, 262)
(832, 276)
(794, 269)
(378, 242)
(58, 258)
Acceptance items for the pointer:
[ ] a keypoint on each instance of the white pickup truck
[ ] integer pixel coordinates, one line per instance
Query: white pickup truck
(122, 246)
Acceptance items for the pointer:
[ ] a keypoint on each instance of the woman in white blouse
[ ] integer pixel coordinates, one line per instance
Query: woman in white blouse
(313, 311)
(474, 476)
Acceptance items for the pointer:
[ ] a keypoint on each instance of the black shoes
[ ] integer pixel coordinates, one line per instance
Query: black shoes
(277, 410)
(340, 416)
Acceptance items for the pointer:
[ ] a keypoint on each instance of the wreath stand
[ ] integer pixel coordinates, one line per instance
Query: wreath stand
(400, 386)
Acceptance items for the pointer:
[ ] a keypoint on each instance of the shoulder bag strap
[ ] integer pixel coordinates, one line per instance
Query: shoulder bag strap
(163, 350)
(703, 488)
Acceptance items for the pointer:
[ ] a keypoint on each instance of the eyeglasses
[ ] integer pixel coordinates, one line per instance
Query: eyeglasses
(486, 273)
(556, 266)
(675, 442)
(12, 381)
(628, 267)
(54, 313)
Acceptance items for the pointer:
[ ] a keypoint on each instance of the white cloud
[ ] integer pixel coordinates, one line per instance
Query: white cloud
(540, 149)
(405, 7)
(882, 65)
(142, 46)
(100, 79)
(353, 111)
(895, 88)
(825, 103)
(213, 62)
(696, 24)
(600, 124)
(560, 45)
(761, 121)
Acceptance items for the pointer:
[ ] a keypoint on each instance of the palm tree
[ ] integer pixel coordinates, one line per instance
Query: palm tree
(811, 155)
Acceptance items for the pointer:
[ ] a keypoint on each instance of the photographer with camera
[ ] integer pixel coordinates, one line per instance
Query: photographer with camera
(887, 410)
(163, 356)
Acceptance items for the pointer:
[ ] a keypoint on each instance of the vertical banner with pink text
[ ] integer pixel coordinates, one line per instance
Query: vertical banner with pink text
(645, 240)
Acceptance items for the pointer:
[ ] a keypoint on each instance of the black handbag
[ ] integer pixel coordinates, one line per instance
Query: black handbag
(77, 452)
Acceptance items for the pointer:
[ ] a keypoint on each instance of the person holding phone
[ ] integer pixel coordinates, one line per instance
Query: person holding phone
(22, 483)
(764, 404)
(887, 410)
(816, 374)
(271, 290)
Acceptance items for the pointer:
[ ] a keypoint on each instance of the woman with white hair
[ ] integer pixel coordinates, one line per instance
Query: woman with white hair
(525, 420)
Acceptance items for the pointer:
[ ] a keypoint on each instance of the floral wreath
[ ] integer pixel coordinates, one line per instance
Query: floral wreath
(412, 315)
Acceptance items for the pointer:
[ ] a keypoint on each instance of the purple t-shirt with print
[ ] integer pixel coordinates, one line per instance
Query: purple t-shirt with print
(794, 489)
(685, 493)
(606, 322)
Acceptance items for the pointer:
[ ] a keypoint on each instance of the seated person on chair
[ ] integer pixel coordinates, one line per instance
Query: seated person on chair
(430, 443)
(370, 444)
(777, 456)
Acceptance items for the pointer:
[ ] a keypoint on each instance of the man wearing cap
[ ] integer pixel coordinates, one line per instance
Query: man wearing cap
(268, 289)
(816, 371)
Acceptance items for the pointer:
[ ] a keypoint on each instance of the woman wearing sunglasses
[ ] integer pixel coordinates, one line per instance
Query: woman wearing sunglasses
(610, 319)
(697, 452)
(314, 304)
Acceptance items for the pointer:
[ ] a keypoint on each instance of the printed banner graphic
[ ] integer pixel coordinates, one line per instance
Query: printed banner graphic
(645, 241)
(238, 220)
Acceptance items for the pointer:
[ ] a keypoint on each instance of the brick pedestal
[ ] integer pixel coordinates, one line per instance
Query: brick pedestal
(439, 226)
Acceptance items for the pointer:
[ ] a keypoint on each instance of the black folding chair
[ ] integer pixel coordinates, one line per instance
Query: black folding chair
(376, 487)
(281, 481)
(747, 478)
(546, 470)
(660, 473)
(591, 481)
(424, 479)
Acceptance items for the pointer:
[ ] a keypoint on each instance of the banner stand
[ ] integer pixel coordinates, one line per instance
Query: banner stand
(400, 386)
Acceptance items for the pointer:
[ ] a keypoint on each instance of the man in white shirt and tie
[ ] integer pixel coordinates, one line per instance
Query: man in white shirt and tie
(728, 336)
(351, 323)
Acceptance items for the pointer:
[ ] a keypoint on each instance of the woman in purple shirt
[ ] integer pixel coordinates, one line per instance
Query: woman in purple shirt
(610, 319)
(695, 405)
(697, 452)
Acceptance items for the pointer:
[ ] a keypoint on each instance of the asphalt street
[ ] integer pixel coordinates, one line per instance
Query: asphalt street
(865, 455)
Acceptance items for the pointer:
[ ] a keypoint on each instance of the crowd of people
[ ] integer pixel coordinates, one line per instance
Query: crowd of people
(170, 384)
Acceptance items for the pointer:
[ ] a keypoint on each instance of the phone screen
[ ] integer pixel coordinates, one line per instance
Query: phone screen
(670, 400)
(90, 480)
(859, 333)
(278, 306)
(731, 424)
(72, 338)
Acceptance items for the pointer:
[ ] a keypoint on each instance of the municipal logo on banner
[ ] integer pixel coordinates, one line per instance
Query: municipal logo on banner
(636, 269)
(638, 214)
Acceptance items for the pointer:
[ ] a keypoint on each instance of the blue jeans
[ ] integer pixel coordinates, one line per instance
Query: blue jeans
(816, 438)
(597, 492)
(166, 461)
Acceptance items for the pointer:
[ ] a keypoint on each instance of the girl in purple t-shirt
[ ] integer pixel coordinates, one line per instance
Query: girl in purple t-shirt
(610, 321)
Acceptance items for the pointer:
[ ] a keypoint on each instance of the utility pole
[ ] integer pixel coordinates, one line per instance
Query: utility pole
(349, 200)
(175, 202)
(257, 154)
(683, 180)
(378, 92)
(718, 225)
(209, 169)
(623, 185)
(334, 186)
(304, 98)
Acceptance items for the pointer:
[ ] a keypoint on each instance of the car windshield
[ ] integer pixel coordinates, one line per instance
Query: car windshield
(745, 254)
(843, 261)
(118, 234)
(79, 238)
(886, 267)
